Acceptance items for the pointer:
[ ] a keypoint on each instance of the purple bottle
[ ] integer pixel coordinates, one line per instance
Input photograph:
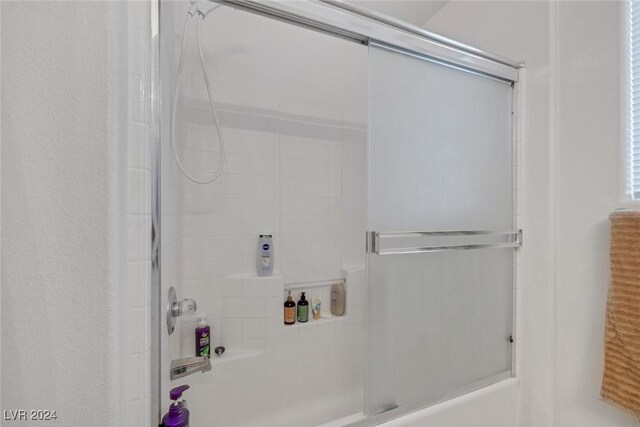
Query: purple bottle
(178, 415)
(203, 337)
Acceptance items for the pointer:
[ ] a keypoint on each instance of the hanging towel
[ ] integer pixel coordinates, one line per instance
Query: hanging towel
(621, 376)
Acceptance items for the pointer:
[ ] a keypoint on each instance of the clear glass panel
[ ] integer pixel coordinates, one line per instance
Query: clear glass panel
(292, 104)
(440, 159)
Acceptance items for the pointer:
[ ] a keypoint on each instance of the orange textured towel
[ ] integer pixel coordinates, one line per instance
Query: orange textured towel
(621, 376)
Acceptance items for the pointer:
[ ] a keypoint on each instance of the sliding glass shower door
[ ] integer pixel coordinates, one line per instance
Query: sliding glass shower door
(440, 181)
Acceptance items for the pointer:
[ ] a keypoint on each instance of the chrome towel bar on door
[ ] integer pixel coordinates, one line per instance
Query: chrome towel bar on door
(460, 240)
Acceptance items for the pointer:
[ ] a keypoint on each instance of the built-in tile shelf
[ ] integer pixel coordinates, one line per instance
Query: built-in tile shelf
(309, 285)
(316, 322)
(313, 289)
(253, 311)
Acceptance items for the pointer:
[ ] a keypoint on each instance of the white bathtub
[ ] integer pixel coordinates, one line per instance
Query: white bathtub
(492, 406)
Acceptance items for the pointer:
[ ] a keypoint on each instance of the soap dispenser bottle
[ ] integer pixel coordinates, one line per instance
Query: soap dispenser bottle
(178, 415)
(303, 309)
(203, 337)
(289, 311)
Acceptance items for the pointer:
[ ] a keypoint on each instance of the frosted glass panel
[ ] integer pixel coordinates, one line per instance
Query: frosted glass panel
(440, 146)
(440, 159)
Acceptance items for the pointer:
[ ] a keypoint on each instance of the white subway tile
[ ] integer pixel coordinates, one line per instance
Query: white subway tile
(254, 287)
(273, 306)
(232, 308)
(260, 224)
(355, 313)
(194, 247)
(234, 163)
(275, 326)
(139, 241)
(212, 204)
(261, 205)
(265, 166)
(253, 308)
(138, 375)
(253, 344)
(139, 281)
(274, 286)
(253, 329)
(233, 288)
(138, 330)
(232, 329)
(355, 295)
(211, 225)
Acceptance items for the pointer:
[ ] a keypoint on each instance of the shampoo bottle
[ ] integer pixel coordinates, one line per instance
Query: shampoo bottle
(289, 311)
(264, 259)
(303, 309)
(338, 298)
(203, 337)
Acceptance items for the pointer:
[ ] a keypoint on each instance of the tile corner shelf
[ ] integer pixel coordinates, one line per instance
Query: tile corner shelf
(316, 322)
(314, 284)
(253, 276)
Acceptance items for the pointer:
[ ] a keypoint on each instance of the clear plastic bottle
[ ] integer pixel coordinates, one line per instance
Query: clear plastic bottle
(338, 299)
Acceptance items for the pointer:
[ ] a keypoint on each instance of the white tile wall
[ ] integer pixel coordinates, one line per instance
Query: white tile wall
(297, 173)
(294, 170)
(304, 374)
(139, 220)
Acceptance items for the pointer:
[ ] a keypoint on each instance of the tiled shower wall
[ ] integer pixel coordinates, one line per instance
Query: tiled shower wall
(298, 177)
(295, 143)
(298, 174)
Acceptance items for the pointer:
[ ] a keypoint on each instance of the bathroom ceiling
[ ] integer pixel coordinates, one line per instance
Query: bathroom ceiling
(416, 12)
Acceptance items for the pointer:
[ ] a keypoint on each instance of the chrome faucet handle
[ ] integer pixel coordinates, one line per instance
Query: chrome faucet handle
(186, 306)
(177, 308)
(190, 365)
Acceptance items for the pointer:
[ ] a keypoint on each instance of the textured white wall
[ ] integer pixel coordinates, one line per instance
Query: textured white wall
(63, 198)
(590, 185)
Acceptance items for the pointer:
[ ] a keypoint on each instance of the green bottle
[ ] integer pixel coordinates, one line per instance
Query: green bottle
(303, 309)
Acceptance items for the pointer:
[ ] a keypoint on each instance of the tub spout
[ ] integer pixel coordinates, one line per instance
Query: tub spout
(183, 367)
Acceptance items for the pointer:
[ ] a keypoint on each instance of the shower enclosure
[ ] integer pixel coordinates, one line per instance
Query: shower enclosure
(379, 156)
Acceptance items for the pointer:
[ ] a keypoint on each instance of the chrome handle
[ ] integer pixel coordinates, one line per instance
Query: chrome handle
(457, 240)
(176, 309)
(186, 306)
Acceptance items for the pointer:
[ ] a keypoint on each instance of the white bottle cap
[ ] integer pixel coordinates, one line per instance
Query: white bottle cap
(203, 319)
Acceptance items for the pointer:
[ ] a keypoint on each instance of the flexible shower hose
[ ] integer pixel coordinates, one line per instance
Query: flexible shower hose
(200, 16)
